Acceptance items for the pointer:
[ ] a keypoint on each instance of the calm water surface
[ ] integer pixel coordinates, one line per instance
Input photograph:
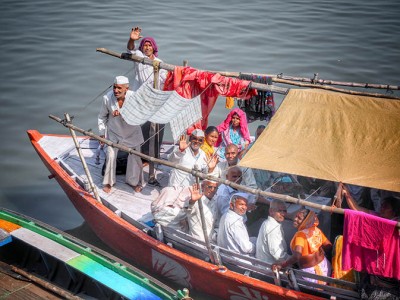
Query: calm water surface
(49, 64)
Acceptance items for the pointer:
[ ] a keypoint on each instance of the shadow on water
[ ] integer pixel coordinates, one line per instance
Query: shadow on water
(85, 233)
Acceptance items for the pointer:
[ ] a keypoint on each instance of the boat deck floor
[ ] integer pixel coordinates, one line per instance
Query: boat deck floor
(122, 196)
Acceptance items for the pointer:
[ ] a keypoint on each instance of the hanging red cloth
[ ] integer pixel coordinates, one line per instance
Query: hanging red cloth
(189, 83)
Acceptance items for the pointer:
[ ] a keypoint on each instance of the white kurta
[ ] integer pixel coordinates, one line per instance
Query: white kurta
(118, 131)
(186, 159)
(271, 245)
(233, 235)
(144, 73)
(194, 218)
(169, 208)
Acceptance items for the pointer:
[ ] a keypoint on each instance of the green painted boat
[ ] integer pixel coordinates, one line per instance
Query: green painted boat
(69, 267)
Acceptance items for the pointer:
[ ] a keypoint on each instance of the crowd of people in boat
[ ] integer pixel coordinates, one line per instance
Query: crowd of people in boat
(227, 212)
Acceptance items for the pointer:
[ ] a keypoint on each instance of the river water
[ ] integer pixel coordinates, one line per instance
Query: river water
(49, 63)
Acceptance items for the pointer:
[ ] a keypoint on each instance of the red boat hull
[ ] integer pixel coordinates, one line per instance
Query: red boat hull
(155, 256)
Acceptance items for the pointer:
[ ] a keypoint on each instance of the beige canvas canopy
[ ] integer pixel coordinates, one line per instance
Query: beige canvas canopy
(332, 136)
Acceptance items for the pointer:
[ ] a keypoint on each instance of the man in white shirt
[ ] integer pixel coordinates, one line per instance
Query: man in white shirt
(114, 128)
(271, 246)
(209, 189)
(232, 159)
(232, 232)
(188, 155)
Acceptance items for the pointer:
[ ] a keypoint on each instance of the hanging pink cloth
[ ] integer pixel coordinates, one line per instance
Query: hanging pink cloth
(223, 128)
(189, 83)
(371, 244)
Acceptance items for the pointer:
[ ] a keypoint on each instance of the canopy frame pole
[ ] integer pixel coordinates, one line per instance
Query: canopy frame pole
(257, 192)
(82, 158)
(318, 84)
(203, 222)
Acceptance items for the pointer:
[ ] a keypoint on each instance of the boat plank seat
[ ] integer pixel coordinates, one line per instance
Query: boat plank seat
(44, 244)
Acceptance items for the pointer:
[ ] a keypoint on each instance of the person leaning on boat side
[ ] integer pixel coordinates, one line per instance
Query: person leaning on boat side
(308, 246)
(188, 155)
(209, 189)
(232, 159)
(144, 74)
(271, 245)
(232, 232)
(114, 128)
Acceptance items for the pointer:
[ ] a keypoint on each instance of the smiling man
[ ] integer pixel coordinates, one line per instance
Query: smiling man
(232, 232)
(188, 155)
(114, 128)
(271, 245)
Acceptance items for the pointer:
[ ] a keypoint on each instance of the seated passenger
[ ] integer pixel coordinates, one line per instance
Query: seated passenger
(225, 192)
(308, 246)
(232, 232)
(209, 189)
(211, 138)
(232, 159)
(271, 245)
(234, 130)
(169, 208)
(188, 155)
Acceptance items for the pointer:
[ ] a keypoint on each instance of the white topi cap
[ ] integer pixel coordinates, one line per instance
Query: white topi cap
(198, 133)
(121, 80)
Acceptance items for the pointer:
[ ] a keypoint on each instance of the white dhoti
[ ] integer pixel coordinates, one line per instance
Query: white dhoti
(134, 169)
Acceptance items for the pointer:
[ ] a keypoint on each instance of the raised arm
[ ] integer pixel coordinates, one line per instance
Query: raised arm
(134, 36)
(350, 201)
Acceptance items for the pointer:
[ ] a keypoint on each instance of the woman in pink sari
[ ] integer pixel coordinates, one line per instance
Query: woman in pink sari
(234, 130)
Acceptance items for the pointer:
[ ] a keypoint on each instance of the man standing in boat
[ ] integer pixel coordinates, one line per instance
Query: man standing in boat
(114, 128)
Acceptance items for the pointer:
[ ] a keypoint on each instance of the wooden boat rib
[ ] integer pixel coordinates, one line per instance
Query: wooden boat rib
(71, 268)
(120, 221)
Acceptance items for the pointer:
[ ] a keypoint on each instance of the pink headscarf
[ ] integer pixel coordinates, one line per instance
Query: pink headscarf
(244, 130)
(152, 42)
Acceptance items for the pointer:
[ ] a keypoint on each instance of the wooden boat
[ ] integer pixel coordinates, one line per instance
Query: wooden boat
(33, 252)
(122, 219)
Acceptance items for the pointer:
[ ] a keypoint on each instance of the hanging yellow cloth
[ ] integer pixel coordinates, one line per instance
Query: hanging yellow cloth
(229, 102)
(337, 271)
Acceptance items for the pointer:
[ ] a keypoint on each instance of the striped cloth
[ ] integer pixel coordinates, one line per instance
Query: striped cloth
(149, 104)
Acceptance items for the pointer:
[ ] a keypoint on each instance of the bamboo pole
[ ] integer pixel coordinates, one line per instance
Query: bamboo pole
(283, 79)
(169, 67)
(257, 192)
(289, 80)
(47, 285)
(203, 224)
(85, 167)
